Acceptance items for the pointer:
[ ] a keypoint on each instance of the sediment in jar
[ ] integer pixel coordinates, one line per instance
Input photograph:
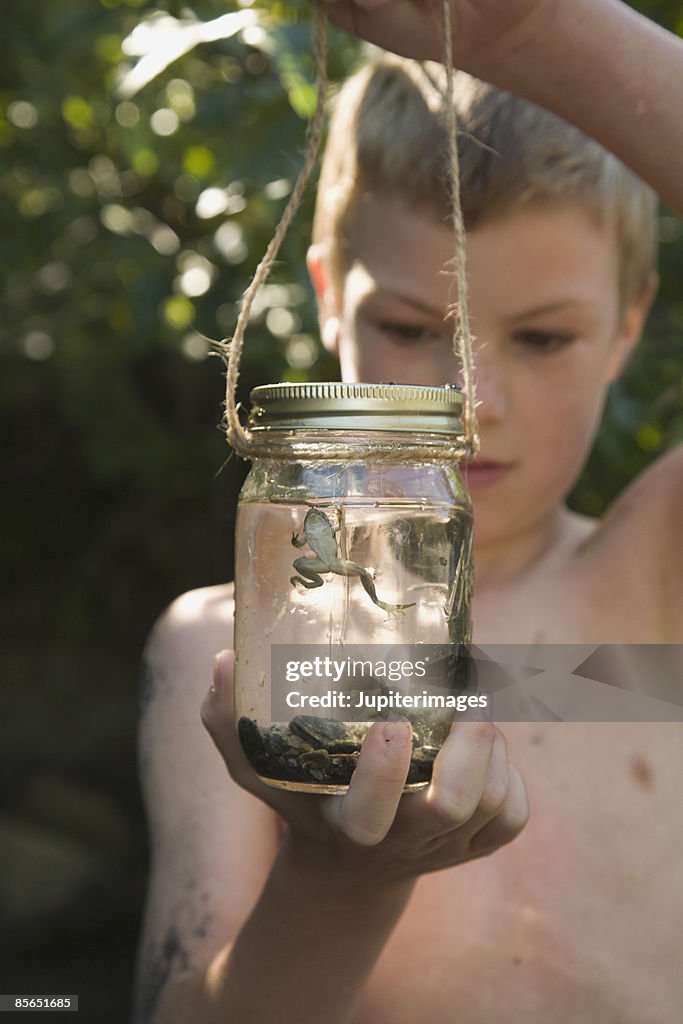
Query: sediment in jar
(315, 751)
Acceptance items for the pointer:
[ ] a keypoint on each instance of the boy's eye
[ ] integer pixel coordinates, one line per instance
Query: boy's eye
(406, 333)
(544, 341)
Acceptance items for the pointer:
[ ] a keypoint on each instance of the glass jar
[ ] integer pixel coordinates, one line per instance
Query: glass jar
(352, 578)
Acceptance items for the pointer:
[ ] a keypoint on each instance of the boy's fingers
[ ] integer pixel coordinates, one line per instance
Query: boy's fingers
(217, 705)
(217, 711)
(496, 785)
(217, 716)
(460, 775)
(510, 820)
(495, 792)
(367, 811)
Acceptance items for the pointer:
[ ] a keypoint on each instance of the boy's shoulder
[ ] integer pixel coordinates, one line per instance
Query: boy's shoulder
(614, 581)
(650, 507)
(180, 651)
(637, 553)
(197, 620)
(205, 605)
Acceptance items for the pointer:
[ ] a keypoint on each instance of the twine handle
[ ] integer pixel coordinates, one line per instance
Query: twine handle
(238, 436)
(462, 336)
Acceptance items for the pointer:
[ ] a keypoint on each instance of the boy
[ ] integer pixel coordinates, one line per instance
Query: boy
(252, 919)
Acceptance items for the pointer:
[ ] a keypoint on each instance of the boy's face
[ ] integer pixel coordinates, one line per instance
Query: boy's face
(544, 310)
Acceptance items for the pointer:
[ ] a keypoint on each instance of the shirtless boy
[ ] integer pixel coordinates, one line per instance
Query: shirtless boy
(268, 906)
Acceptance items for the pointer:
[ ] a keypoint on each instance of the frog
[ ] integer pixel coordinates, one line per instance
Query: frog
(319, 535)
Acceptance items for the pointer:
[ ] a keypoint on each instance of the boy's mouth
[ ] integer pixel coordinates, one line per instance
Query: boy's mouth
(481, 473)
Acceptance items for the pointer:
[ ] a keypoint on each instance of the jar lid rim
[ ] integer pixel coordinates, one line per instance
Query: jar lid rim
(370, 406)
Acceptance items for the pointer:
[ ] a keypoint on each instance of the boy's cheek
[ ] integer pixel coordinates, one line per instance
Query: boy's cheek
(557, 451)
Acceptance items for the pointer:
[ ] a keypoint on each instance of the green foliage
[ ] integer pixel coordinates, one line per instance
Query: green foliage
(132, 225)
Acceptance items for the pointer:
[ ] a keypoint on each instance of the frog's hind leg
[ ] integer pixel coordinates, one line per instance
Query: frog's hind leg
(310, 568)
(369, 588)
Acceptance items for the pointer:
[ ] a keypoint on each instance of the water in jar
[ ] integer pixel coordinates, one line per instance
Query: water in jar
(367, 572)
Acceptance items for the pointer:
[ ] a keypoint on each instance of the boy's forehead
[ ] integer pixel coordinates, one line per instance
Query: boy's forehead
(402, 249)
(545, 253)
(377, 216)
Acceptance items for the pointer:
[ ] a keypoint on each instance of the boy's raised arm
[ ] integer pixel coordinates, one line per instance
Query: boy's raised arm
(597, 63)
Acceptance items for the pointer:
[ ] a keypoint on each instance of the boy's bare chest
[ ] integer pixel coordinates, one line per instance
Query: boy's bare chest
(579, 919)
(574, 603)
(598, 583)
(569, 606)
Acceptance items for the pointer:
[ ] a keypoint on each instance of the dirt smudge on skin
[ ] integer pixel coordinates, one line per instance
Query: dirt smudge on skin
(203, 927)
(170, 959)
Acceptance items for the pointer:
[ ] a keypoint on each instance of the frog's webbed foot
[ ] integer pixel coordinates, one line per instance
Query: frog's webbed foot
(297, 540)
(308, 584)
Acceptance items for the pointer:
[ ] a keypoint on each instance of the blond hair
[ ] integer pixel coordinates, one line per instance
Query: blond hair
(388, 136)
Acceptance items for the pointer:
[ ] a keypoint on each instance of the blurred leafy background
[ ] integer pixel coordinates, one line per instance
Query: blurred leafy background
(131, 223)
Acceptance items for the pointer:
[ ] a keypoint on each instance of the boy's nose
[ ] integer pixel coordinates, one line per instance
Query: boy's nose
(492, 390)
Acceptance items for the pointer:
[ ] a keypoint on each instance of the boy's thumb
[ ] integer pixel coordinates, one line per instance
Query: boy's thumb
(217, 706)
(219, 721)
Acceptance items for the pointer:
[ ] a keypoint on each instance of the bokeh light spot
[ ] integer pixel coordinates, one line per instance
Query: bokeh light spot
(230, 243)
(145, 162)
(194, 282)
(649, 438)
(278, 189)
(195, 347)
(22, 114)
(164, 240)
(282, 322)
(77, 112)
(127, 114)
(198, 161)
(178, 312)
(54, 277)
(301, 352)
(211, 203)
(38, 345)
(164, 121)
(81, 183)
(180, 95)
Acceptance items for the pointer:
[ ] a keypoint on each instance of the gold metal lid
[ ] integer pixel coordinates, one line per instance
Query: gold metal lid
(357, 407)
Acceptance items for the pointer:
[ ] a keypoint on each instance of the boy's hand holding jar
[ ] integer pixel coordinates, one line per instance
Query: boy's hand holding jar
(475, 803)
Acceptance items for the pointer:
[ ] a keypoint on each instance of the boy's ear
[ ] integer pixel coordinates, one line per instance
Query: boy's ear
(631, 327)
(326, 295)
